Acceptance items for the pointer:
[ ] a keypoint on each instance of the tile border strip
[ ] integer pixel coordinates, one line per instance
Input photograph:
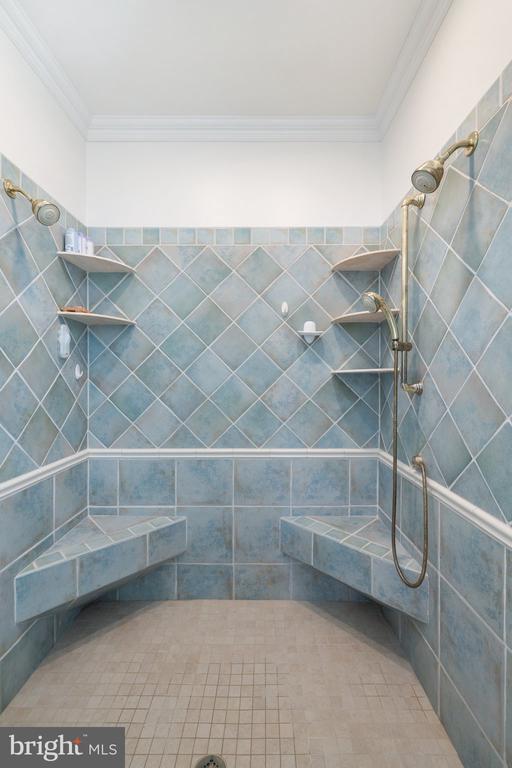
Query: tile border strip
(478, 517)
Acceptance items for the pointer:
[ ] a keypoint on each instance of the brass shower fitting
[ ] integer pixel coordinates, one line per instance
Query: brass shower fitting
(46, 213)
(419, 464)
(426, 179)
(427, 176)
(417, 201)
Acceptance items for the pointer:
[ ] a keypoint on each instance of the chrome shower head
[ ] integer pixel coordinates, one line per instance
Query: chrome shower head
(374, 302)
(427, 176)
(45, 212)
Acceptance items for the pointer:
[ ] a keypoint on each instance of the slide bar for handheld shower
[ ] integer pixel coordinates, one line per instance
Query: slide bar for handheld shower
(418, 201)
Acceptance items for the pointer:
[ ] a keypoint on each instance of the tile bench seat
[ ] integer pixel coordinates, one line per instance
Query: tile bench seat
(357, 551)
(96, 554)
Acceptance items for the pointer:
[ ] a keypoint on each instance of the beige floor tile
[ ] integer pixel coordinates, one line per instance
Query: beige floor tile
(277, 685)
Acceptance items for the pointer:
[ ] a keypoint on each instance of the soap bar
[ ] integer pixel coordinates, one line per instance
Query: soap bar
(75, 309)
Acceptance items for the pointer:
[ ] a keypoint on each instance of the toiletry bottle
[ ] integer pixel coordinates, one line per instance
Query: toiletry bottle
(90, 247)
(69, 240)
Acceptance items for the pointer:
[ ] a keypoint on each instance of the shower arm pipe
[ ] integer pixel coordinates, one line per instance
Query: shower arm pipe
(418, 201)
(12, 190)
(469, 144)
(46, 212)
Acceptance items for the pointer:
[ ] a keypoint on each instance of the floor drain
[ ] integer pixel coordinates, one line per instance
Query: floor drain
(211, 761)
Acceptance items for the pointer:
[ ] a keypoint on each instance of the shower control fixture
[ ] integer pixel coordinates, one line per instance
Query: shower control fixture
(45, 212)
(426, 179)
(376, 303)
(427, 176)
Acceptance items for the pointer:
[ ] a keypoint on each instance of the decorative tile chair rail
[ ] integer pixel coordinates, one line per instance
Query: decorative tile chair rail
(356, 551)
(101, 551)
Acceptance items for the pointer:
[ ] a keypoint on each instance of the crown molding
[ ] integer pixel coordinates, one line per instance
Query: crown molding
(159, 128)
(167, 128)
(25, 37)
(420, 37)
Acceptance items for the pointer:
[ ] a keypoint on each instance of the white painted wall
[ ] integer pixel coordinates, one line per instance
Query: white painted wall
(273, 184)
(36, 134)
(258, 184)
(236, 184)
(472, 47)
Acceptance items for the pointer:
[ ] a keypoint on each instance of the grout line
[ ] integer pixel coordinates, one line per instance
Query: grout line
(257, 298)
(233, 529)
(118, 472)
(479, 725)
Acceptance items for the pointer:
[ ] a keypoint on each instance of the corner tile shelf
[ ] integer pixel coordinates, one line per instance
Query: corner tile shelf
(90, 318)
(370, 261)
(362, 317)
(350, 371)
(357, 551)
(94, 263)
(98, 553)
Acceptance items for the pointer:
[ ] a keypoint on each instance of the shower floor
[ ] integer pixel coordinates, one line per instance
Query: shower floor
(270, 684)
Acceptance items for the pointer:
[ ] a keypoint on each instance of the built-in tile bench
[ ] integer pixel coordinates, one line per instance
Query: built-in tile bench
(98, 553)
(357, 551)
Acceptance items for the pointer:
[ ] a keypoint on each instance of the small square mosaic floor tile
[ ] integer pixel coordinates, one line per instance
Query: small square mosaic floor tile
(270, 684)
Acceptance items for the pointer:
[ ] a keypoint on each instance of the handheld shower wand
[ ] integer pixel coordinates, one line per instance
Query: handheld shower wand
(375, 303)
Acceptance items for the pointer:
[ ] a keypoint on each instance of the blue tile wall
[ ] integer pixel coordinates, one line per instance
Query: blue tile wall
(459, 656)
(460, 283)
(212, 362)
(460, 317)
(44, 411)
(31, 520)
(233, 507)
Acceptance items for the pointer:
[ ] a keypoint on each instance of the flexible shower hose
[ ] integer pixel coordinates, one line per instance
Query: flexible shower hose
(420, 464)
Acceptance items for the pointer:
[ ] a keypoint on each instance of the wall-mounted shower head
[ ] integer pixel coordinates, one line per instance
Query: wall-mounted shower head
(45, 212)
(375, 303)
(427, 176)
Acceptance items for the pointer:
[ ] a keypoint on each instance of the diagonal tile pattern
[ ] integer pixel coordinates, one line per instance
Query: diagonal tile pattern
(211, 346)
(461, 324)
(211, 340)
(44, 413)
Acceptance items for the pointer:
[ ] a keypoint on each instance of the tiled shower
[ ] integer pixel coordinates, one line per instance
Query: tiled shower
(188, 452)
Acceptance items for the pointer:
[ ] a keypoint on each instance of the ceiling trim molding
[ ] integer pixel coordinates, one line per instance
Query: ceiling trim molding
(25, 37)
(160, 128)
(420, 37)
(166, 128)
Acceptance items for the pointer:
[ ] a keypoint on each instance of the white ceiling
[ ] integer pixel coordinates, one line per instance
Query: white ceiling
(226, 57)
(253, 59)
